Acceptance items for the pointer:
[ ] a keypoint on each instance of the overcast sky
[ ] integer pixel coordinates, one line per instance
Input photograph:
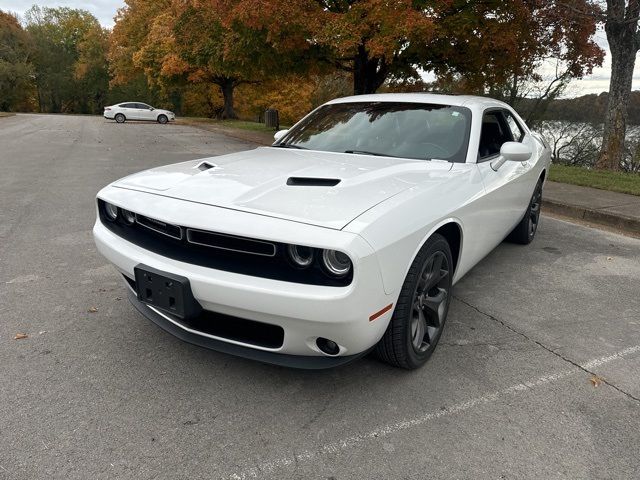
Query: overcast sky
(105, 10)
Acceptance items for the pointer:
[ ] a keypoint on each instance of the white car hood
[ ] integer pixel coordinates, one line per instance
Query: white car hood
(256, 181)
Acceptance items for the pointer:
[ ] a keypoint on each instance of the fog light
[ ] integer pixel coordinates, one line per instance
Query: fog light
(300, 256)
(327, 346)
(111, 211)
(336, 263)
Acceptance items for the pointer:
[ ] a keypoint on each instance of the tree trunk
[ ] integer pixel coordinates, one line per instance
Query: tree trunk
(227, 86)
(368, 73)
(622, 37)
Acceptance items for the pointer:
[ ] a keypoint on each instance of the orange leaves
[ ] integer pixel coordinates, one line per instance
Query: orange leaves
(384, 26)
(291, 95)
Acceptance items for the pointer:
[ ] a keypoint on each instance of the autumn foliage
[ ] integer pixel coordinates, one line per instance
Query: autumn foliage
(237, 57)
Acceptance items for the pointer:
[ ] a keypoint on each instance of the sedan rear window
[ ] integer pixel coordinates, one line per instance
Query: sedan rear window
(396, 129)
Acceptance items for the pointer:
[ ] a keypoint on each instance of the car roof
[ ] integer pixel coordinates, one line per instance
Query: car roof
(433, 98)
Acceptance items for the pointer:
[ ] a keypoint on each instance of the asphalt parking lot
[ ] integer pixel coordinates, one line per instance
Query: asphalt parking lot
(510, 392)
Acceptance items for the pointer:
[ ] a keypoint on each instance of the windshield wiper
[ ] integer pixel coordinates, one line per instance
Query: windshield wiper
(286, 145)
(364, 152)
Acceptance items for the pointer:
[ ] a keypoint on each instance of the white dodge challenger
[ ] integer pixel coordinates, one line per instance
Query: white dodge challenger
(344, 236)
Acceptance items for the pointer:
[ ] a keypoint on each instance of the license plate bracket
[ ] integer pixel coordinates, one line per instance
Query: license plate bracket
(166, 291)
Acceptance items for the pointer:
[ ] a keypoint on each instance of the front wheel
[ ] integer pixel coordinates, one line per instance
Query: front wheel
(421, 311)
(162, 119)
(526, 230)
(120, 118)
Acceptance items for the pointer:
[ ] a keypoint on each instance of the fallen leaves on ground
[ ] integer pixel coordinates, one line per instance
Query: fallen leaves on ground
(93, 309)
(20, 336)
(596, 381)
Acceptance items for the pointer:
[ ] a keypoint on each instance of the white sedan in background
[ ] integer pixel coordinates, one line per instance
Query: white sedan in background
(137, 111)
(345, 236)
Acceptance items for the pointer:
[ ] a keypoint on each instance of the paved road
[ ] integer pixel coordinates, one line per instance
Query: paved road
(108, 395)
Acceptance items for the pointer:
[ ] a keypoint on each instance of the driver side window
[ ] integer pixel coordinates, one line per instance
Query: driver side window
(494, 133)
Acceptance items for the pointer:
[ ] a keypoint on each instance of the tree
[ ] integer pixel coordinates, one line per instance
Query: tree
(216, 44)
(61, 36)
(572, 143)
(15, 63)
(366, 38)
(176, 43)
(129, 79)
(621, 26)
(474, 45)
(515, 50)
(92, 69)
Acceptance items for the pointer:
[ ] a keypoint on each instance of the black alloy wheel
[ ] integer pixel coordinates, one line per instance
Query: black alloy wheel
(534, 211)
(430, 302)
(525, 231)
(421, 311)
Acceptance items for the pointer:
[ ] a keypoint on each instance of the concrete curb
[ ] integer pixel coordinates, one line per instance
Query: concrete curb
(591, 215)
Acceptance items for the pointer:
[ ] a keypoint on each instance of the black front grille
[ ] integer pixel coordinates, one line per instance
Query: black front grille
(167, 229)
(229, 327)
(231, 242)
(219, 251)
(237, 329)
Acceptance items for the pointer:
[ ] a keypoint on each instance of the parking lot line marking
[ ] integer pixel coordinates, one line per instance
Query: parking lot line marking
(354, 440)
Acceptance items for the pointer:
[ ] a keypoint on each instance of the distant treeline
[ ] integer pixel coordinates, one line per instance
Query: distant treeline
(587, 108)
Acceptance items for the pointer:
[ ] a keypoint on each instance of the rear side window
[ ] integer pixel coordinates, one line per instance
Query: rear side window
(128, 105)
(516, 130)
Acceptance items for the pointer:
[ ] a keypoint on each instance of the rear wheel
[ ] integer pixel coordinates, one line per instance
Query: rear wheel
(162, 119)
(526, 230)
(421, 311)
(120, 118)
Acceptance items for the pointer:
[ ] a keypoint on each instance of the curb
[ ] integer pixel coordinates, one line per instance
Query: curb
(599, 217)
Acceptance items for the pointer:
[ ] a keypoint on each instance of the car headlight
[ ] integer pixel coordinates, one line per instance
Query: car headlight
(300, 256)
(128, 217)
(111, 211)
(336, 263)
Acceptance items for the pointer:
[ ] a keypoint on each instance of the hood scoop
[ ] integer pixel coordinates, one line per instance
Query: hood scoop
(205, 165)
(312, 182)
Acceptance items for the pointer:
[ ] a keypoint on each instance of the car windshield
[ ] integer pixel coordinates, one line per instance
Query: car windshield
(407, 130)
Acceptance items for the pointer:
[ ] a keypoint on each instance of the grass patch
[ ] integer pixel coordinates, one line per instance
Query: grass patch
(239, 124)
(614, 181)
(6, 114)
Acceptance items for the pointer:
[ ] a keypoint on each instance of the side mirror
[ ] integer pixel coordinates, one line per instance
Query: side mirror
(279, 134)
(512, 152)
(151, 108)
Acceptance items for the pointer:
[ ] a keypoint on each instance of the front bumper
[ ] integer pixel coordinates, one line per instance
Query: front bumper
(304, 312)
(275, 358)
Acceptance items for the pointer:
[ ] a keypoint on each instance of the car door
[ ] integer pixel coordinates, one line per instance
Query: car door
(509, 188)
(145, 112)
(129, 110)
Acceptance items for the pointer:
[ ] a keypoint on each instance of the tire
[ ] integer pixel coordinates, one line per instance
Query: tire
(525, 231)
(162, 119)
(422, 307)
(120, 118)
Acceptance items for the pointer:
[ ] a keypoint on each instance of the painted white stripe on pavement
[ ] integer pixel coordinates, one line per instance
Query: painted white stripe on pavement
(352, 441)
